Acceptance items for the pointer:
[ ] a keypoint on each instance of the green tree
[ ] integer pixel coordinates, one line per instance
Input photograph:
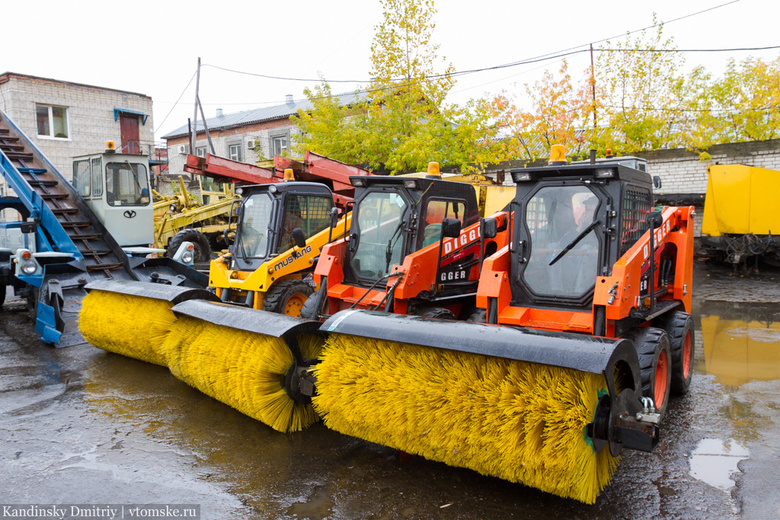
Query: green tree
(402, 121)
(558, 114)
(740, 106)
(639, 84)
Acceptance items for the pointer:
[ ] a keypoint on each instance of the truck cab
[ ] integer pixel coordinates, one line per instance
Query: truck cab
(116, 187)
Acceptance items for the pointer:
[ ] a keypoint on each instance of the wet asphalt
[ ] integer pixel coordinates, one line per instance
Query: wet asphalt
(82, 426)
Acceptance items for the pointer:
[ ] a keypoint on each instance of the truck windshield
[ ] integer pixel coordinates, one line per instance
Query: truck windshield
(127, 184)
(252, 239)
(380, 244)
(558, 218)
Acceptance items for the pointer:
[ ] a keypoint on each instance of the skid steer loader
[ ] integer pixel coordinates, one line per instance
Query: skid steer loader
(587, 327)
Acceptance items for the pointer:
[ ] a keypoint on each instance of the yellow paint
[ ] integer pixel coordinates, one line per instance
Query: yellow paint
(740, 200)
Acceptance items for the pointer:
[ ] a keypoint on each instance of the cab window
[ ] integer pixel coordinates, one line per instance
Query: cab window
(435, 212)
(126, 184)
(308, 212)
(82, 177)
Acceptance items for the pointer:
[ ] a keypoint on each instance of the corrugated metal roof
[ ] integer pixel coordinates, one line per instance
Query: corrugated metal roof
(261, 114)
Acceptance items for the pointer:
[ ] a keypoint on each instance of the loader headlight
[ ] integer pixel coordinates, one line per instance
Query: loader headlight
(29, 267)
(523, 177)
(357, 182)
(411, 184)
(605, 173)
(188, 256)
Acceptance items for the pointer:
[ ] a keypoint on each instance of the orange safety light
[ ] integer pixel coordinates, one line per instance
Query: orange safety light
(433, 169)
(26, 255)
(558, 154)
(110, 148)
(288, 175)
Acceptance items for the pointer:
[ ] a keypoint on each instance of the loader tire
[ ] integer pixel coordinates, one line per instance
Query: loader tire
(287, 297)
(313, 306)
(199, 240)
(2, 295)
(652, 346)
(440, 313)
(679, 327)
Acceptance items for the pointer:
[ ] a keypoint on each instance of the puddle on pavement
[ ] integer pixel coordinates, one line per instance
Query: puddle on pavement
(715, 462)
(741, 342)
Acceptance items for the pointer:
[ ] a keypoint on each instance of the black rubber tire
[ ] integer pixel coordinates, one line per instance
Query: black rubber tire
(2, 295)
(440, 313)
(313, 306)
(679, 327)
(478, 316)
(287, 297)
(652, 346)
(198, 239)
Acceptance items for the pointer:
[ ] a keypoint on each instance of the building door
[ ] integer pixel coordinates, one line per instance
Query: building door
(128, 126)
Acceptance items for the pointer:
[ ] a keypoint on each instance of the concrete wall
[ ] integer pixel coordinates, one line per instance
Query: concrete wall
(90, 115)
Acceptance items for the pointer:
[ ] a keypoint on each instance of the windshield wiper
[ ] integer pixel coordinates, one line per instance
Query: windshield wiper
(389, 250)
(575, 241)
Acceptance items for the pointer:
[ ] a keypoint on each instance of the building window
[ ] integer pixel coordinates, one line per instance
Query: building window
(200, 151)
(234, 151)
(280, 144)
(52, 121)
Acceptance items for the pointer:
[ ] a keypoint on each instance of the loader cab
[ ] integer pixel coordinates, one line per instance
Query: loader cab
(268, 215)
(396, 216)
(572, 223)
(116, 187)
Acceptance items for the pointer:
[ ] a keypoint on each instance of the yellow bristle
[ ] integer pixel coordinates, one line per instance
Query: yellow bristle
(518, 421)
(125, 324)
(239, 368)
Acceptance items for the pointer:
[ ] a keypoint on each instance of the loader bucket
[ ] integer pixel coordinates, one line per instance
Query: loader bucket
(132, 318)
(252, 360)
(527, 406)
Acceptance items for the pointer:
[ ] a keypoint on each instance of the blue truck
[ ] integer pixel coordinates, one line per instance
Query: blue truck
(55, 243)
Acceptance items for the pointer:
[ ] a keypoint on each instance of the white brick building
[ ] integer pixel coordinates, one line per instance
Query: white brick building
(67, 119)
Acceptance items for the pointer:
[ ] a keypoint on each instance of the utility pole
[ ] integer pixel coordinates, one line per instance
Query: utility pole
(195, 116)
(593, 86)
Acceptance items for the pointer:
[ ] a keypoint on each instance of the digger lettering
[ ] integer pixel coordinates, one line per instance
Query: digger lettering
(291, 258)
(466, 237)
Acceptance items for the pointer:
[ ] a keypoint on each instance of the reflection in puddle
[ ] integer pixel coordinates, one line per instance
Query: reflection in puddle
(742, 345)
(714, 461)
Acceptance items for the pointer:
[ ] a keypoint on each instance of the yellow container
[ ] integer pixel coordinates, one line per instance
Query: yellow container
(740, 200)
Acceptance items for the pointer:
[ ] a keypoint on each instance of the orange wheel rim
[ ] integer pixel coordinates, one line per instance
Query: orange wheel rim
(687, 357)
(294, 305)
(661, 377)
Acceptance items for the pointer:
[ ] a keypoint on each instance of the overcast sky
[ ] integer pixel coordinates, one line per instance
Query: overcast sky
(152, 47)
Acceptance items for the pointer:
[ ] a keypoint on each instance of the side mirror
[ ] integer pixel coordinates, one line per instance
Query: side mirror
(489, 227)
(28, 227)
(654, 220)
(657, 182)
(299, 238)
(334, 217)
(450, 228)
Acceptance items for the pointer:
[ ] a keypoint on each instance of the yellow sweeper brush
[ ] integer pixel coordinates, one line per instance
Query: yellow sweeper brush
(132, 318)
(529, 407)
(247, 359)
(250, 360)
